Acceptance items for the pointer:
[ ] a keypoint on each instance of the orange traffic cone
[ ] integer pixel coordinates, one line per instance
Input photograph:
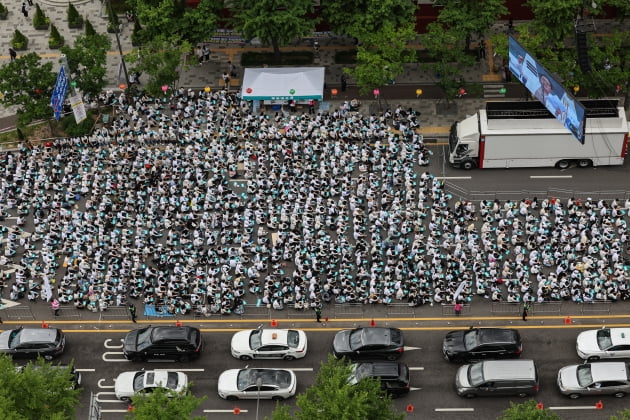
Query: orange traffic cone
(567, 320)
(599, 405)
(44, 324)
(274, 323)
(178, 323)
(236, 411)
(372, 323)
(540, 406)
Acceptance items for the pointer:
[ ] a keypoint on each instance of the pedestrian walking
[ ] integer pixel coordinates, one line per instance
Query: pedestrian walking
(12, 53)
(200, 55)
(226, 80)
(525, 310)
(132, 311)
(24, 9)
(458, 309)
(55, 307)
(206, 53)
(30, 3)
(318, 313)
(231, 69)
(344, 83)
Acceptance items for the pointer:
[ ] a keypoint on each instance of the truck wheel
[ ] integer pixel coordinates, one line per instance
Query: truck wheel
(562, 164)
(584, 163)
(468, 165)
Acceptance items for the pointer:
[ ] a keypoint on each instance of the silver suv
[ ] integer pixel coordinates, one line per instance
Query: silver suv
(603, 378)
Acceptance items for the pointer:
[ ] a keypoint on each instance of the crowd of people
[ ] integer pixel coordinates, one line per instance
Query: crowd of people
(197, 203)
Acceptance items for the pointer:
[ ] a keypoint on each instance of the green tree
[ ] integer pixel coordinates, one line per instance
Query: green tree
(527, 411)
(274, 22)
(159, 405)
(333, 397)
(471, 17)
(38, 391)
(87, 62)
(622, 415)
(358, 17)
(160, 60)
(381, 55)
(28, 84)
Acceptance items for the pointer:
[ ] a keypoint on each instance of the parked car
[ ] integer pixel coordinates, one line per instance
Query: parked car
(393, 376)
(604, 343)
(275, 384)
(269, 344)
(163, 342)
(497, 378)
(372, 342)
(482, 343)
(603, 378)
(128, 384)
(33, 342)
(75, 378)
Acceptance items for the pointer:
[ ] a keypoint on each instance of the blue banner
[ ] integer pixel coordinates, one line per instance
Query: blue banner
(59, 93)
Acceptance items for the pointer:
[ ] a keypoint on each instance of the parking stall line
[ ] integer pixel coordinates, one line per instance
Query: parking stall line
(575, 407)
(180, 370)
(113, 411)
(224, 411)
(416, 368)
(299, 369)
(466, 409)
(85, 370)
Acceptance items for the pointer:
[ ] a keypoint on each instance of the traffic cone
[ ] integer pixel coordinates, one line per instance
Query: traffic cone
(129, 407)
(567, 320)
(540, 406)
(44, 324)
(409, 408)
(599, 405)
(178, 323)
(372, 323)
(236, 411)
(274, 323)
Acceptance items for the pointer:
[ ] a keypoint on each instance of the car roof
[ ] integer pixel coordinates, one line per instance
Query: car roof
(376, 335)
(170, 333)
(620, 336)
(609, 371)
(38, 335)
(382, 369)
(273, 337)
(508, 369)
(279, 377)
(155, 378)
(497, 335)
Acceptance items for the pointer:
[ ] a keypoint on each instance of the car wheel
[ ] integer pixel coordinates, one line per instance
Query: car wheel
(619, 394)
(468, 165)
(277, 398)
(289, 357)
(125, 399)
(584, 163)
(574, 396)
(521, 394)
(231, 398)
(392, 357)
(245, 358)
(563, 164)
(592, 359)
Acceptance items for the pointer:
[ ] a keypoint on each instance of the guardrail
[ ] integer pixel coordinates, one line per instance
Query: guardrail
(67, 311)
(503, 308)
(115, 312)
(546, 308)
(400, 309)
(449, 309)
(596, 306)
(19, 313)
(344, 310)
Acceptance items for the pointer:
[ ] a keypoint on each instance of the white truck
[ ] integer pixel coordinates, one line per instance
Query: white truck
(525, 134)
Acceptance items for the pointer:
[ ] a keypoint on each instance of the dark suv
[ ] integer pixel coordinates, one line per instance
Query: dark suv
(33, 342)
(171, 343)
(394, 376)
(482, 343)
(369, 343)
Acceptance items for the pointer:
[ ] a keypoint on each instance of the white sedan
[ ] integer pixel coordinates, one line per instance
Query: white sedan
(274, 384)
(128, 384)
(269, 344)
(604, 343)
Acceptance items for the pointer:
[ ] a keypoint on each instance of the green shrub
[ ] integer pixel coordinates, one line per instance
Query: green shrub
(113, 24)
(3, 11)
(55, 40)
(294, 58)
(136, 35)
(40, 21)
(75, 20)
(72, 129)
(19, 41)
(89, 29)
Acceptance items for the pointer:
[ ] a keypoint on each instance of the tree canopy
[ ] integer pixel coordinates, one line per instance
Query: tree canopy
(86, 62)
(333, 397)
(159, 405)
(38, 391)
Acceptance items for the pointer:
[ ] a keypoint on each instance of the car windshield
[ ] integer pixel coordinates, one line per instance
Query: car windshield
(603, 339)
(14, 338)
(254, 339)
(144, 339)
(584, 376)
(171, 380)
(475, 374)
(471, 339)
(293, 338)
(356, 339)
(138, 381)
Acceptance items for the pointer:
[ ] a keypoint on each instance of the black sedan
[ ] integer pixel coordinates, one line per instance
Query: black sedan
(33, 342)
(482, 343)
(368, 343)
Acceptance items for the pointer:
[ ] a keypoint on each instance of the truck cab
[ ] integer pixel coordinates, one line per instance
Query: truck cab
(463, 143)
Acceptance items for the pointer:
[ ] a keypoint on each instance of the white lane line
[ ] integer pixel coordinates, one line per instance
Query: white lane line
(112, 411)
(106, 400)
(106, 357)
(415, 389)
(550, 176)
(453, 177)
(223, 411)
(85, 370)
(575, 407)
(100, 384)
(113, 346)
(416, 368)
(412, 348)
(454, 409)
(180, 370)
(300, 369)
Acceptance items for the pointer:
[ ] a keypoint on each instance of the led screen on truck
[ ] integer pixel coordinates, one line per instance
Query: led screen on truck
(546, 89)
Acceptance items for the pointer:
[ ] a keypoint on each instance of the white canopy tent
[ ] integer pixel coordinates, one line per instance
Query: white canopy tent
(283, 83)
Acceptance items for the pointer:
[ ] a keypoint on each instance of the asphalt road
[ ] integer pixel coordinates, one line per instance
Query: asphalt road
(550, 345)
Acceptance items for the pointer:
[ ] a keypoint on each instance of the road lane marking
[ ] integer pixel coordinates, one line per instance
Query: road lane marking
(550, 176)
(299, 369)
(415, 389)
(116, 346)
(575, 407)
(106, 400)
(454, 409)
(85, 370)
(416, 368)
(107, 359)
(453, 177)
(224, 411)
(113, 411)
(180, 370)
(407, 348)
(100, 385)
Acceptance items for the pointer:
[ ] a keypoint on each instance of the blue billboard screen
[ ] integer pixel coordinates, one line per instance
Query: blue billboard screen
(560, 103)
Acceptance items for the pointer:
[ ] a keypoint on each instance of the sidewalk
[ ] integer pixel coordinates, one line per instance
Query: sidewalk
(436, 123)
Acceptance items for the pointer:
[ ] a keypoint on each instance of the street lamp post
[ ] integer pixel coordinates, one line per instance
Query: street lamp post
(258, 385)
